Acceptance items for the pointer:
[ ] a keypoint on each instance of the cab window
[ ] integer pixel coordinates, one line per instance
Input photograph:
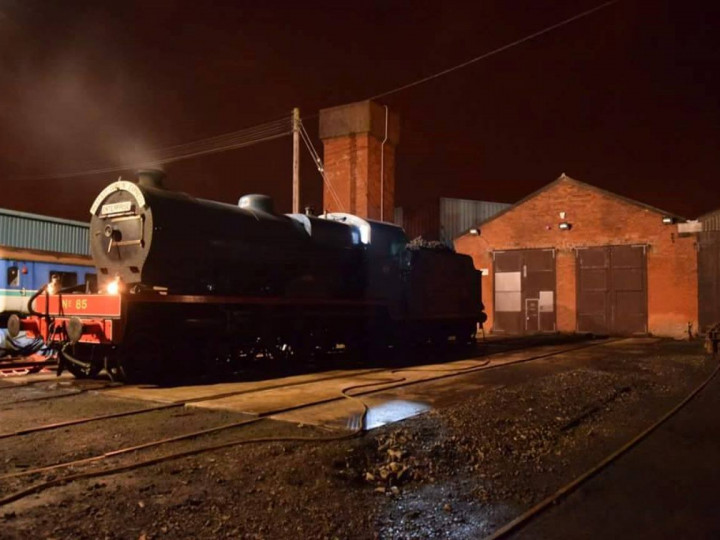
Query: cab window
(91, 283)
(13, 276)
(67, 279)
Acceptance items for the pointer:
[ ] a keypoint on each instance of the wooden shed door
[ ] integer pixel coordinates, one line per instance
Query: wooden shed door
(524, 282)
(612, 290)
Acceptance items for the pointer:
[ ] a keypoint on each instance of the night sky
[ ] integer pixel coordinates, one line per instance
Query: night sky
(626, 99)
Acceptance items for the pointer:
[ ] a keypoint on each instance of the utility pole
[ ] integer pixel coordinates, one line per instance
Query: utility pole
(296, 161)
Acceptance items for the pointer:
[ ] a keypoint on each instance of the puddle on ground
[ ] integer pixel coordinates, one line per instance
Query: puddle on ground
(393, 411)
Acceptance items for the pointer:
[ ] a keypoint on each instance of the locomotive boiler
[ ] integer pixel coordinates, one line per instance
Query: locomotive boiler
(190, 284)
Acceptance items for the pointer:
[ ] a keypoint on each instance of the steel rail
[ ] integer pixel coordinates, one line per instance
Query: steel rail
(344, 394)
(86, 420)
(3, 405)
(207, 398)
(78, 421)
(192, 400)
(123, 468)
(527, 516)
(188, 453)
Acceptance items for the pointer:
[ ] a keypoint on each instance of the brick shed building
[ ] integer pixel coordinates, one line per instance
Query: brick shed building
(572, 257)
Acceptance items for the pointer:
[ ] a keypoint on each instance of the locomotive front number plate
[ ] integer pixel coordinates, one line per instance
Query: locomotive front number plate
(104, 305)
(116, 208)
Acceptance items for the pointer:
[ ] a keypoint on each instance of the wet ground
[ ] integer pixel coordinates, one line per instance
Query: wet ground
(484, 446)
(665, 487)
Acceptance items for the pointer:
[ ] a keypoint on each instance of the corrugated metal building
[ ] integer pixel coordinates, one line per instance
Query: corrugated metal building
(709, 268)
(459, 215)
(710, 221)
(423, 220)
(445, 219)
(43, 233)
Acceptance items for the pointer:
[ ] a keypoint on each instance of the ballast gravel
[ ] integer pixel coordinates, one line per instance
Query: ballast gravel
(459, 471)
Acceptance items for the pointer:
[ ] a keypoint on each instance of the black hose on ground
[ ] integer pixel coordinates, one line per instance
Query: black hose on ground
(67, 357)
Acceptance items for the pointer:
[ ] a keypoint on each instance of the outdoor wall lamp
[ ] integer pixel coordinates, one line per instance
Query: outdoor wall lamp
(565, 226)
(668, 220)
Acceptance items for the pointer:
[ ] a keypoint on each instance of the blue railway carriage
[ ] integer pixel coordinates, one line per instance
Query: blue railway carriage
(33, 248)
(22, 272)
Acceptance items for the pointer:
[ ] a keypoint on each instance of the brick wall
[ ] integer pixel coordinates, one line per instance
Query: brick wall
(352, 168)
(354, 158)
(598, 219)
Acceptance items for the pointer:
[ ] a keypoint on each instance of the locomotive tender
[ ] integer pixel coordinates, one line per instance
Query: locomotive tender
(227, 283)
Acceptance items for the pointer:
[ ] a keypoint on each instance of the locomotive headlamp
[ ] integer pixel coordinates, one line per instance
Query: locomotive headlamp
(113, 287)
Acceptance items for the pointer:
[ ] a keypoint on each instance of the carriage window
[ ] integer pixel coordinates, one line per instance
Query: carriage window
(67, 279)
(91, 283)
(13, 276)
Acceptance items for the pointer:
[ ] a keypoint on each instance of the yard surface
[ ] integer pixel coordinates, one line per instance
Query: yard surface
(491, 445)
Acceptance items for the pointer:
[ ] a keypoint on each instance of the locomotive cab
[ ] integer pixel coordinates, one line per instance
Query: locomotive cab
(384, 245)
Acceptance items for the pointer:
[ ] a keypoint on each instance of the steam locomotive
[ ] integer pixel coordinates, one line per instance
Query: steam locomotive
(186, 283)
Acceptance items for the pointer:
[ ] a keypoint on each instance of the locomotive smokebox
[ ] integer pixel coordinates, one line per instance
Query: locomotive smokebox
(152, 178)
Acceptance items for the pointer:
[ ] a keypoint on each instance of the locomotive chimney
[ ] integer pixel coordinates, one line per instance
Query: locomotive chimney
(152, 178)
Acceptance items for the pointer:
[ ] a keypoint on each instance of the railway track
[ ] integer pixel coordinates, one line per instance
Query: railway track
(79, 421)
(145, 410)
(538, 509)
(485, 348)
(353, 392)
(20, 366)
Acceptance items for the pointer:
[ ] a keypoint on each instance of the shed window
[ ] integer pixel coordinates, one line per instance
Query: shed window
(13, 276)
(67, 279)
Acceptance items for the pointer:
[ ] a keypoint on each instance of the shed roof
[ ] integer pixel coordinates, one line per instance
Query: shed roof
(23, 230)
(40, 217)
(710, 214)
(565, 178)
(710, 221)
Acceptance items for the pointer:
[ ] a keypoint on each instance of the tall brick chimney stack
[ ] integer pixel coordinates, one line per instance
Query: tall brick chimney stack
(359, 167)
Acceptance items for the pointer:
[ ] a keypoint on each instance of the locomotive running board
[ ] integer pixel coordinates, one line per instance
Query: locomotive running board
(249, 300)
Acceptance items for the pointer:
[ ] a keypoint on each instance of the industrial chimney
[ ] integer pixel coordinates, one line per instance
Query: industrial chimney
(359, 141)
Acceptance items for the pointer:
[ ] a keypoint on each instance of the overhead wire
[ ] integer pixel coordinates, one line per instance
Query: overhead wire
(281, 127)
(498, 50)
(449, 70)
(238, 139)
(319, 164)
(225, 138)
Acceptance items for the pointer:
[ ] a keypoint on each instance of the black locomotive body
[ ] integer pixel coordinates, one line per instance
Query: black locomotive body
(183, 274)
